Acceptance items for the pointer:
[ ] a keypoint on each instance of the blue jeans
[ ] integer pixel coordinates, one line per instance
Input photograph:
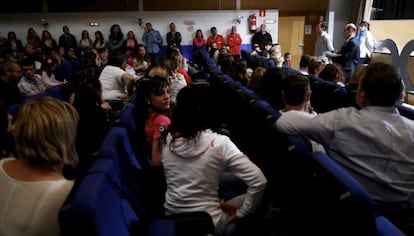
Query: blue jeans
(225, 230)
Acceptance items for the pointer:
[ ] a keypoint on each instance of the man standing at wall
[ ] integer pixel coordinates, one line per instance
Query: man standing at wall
(234, 41)
(216, 39)
(262, 38)
(173, 39)
(153, 40)
(323, 43)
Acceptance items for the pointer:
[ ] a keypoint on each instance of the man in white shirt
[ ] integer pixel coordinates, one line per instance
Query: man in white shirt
(117, 84)
(31, 83)
(296, 94)
(374, 144)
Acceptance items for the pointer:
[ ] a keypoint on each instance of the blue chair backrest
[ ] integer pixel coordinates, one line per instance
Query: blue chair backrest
(117, 146)
(99, 207)
(355, 189)
(326, 95)
(386, 228)
(405, 109)
(57, 91)
(126, 119)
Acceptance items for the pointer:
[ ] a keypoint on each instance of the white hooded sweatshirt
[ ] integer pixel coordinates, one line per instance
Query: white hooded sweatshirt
(193, 170)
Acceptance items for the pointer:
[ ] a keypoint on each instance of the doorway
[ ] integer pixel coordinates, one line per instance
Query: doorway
(291, 37)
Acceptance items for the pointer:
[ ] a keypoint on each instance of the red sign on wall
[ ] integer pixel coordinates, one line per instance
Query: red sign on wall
(262, 13)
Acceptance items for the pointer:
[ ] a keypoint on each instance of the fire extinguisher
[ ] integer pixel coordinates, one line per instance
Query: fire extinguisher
(253, 23)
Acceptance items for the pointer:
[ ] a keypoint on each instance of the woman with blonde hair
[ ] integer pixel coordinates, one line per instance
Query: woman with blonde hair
(32, 184)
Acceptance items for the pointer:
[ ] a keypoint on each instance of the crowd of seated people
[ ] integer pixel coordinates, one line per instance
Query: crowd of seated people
(90, 70)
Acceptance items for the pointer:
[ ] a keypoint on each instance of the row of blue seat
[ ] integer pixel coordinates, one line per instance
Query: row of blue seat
(311, 182)
(57, 92)
(111, 199)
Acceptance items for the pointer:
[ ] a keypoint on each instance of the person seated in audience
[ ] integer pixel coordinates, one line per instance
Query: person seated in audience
(374, 144)
(93, 121)
(140, 61)
(152, 105)
(276, 56)
(287, 59)
(117, 84)
(34, 39)
(315, 68)
(194, 157)
(352, 85)
(101, 59)
(7, 146)
(151, 117)
(181, 63)
(30, 84)
(333, 73)
(30, 54)
(159, 69)
(11, 73)
(268, 49)
(272, 87)
(239, 71)
(48, 73)
(256, 50)
(32, 184)
(256, 79)
(177, 80)
(296, 94)
(304, 63)
(359, 72)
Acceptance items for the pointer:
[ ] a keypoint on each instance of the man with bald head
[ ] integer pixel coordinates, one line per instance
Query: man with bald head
(349, 53)
(262, 37)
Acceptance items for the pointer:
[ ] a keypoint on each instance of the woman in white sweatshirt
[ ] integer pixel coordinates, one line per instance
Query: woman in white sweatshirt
(194, 157)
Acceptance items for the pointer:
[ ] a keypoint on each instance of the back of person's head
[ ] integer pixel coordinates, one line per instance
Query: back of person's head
(171, 63)
(27, 62)
(305, 60)
(6, 67)
(225, 61)
(256, 79)
(197, 109)
(295, 89)
(272, 87)
(315, 68)
(333, 72)
(381, 84)
(45, 132)
(358, 73)
(116, 59)
(88, 94)
(159, 69)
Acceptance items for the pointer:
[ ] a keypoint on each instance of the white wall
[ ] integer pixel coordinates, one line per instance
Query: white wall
(77, 22)
(342, 9)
